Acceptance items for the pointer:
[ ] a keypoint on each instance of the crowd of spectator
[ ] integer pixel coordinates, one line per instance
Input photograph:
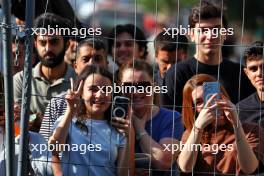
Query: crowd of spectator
(71, 108)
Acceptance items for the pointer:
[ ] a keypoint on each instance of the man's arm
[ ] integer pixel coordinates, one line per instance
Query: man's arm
(17, 87)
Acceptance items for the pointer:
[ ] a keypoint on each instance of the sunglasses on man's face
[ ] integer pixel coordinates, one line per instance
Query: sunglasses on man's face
(140, 84)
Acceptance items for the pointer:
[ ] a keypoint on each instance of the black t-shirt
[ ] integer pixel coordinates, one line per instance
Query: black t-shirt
(180, 73)
(251, 109)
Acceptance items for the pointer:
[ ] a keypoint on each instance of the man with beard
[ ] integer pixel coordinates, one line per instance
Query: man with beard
(91, 51)
(51, 75)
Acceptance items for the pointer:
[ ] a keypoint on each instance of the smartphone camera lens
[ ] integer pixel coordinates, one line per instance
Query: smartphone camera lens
(120, 107)
(119, 112)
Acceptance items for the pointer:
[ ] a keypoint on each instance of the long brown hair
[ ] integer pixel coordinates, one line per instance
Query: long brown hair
(188, 109)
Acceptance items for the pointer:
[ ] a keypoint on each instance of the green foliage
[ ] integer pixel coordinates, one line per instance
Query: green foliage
(254, 16)
(166, 7)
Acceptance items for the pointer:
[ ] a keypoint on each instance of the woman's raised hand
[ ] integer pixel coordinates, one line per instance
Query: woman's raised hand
(229, 110)
(208, 113)
(73, 97)
(121, 125)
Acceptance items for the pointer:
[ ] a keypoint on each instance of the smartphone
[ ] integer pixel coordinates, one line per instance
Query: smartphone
(120, 106)
(210, 88)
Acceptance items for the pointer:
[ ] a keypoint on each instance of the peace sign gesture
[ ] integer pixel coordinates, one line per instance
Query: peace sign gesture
(73, 97)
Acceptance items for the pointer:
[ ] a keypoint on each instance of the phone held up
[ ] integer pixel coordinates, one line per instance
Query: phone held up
(209, 89)
(120, 106)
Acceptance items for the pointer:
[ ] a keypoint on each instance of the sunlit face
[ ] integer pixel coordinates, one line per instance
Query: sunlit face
(89, 56)
(50, 49)
(70, 53)
(139, 100)
(165, 60)
(197, 97)
(255, 71)
(198, 100)
(206, 42)
(125, 49)
(96, 101)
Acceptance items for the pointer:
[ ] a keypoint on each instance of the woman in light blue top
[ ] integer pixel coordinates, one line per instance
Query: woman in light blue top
(89, 144)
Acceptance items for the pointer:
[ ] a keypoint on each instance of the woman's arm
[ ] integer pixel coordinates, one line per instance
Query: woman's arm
(60, 133)
(246, 157)
(188, 155)
(161, 157)
(59, 136)
(126, 154)
(56, 167)
(126, 157)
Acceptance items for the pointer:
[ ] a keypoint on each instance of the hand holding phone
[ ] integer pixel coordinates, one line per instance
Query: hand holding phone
(209, 89)
(120, 106)
(119, 113)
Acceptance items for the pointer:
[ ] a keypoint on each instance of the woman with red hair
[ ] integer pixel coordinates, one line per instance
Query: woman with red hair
(215, 141)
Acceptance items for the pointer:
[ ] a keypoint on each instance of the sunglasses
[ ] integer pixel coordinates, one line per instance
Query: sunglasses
(138, 85)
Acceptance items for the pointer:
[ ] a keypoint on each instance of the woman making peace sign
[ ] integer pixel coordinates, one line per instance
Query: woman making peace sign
(94, 147)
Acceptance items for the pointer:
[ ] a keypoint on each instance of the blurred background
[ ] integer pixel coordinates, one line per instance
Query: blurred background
(245, 16)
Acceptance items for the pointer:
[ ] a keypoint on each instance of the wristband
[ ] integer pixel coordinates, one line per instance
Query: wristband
(140, 135)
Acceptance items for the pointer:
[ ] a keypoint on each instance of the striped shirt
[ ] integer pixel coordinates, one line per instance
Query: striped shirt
(55, 108)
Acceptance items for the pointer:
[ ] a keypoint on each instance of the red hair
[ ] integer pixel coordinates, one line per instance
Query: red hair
(188, 109)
